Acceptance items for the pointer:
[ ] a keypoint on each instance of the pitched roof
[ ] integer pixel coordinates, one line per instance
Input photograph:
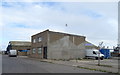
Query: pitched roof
(20, 43)
(88, 44)
(58, 33)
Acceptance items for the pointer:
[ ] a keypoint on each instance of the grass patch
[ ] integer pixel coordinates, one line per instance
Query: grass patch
(92, 69)
(47, 61)
(43, 61)
(96, 69)
(104, 65)
(61, 59)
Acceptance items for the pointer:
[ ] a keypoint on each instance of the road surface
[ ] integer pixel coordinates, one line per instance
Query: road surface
(26, 65)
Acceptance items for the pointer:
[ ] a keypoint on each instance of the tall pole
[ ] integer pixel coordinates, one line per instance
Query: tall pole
(98, 58)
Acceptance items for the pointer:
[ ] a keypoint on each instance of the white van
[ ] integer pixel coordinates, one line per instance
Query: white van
(94, 53)
(12, 53)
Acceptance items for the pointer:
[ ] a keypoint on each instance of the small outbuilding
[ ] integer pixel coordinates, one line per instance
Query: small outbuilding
(22, 47)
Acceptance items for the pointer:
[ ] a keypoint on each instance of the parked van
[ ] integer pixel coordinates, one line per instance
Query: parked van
(12, 53)
(94, 53)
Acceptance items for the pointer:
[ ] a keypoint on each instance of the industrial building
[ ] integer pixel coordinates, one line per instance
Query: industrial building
(56, 45)
(22, 47)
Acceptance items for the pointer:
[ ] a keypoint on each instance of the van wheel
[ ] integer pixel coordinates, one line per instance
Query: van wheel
(118, 55)
(96, 58)
(101, 58)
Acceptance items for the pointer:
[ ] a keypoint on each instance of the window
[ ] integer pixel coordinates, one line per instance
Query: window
(39, 50)
(39, 39)
(34, 40)
(94, 52)
(33, 50)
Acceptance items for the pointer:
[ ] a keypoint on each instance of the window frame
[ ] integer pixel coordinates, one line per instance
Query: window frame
(94, 53)
(34, 40)
(39, 39)
(33, 50)
(39, 50)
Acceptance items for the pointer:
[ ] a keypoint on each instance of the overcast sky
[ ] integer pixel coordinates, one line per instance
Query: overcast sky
(98, 21)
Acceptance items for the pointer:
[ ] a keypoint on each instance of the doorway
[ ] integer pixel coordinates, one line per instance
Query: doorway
(45, 52)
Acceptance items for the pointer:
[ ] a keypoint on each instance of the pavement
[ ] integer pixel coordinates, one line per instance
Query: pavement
(107, 65)
(116, 58)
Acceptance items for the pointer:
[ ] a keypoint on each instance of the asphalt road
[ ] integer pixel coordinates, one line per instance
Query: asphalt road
(26, 65)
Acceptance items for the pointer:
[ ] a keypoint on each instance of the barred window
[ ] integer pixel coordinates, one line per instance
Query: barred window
(33, 50)
(39, 39)
(39, 50)
(34, 40)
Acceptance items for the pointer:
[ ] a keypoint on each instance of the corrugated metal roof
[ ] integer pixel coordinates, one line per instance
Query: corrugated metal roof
(89, 44)
(20, 43)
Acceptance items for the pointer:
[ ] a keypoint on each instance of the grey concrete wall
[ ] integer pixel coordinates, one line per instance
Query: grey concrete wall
(65, 49)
